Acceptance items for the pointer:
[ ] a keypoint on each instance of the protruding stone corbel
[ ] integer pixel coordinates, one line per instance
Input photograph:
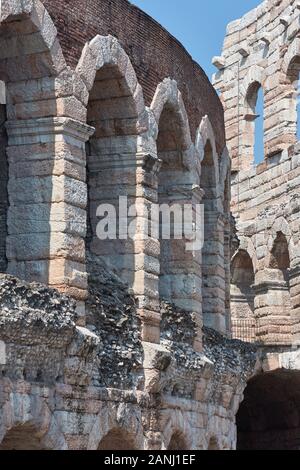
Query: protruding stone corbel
(266, 38)
(151, 163)
(218, 62)
(250, 117)
(244, 52)
(284, 20)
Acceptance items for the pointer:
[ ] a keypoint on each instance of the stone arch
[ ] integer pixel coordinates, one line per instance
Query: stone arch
(242, 297)
(268, 417)
(115, 422)
(40, 105)
(116, 109)
(273, 300)
(177, 185)
(280, 225)
(205, 135)
(167, 94)
(23, 59)
(291, 69)
(213, 261)
(291, 54)
(254, 75)
(177, 424)
(213, 443)
(225, 179)
(117, 439)
(30, 426)
(247, 245)
(252, 83)
(106, 52)
(177, 441)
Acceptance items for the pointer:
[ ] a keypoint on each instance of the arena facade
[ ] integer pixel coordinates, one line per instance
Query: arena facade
(138, 343)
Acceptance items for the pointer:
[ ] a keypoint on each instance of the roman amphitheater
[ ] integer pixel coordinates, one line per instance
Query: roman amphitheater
(138, 343)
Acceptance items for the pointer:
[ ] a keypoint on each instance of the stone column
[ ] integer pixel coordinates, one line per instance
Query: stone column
(47, 202)
(213, 272)
(133, 254)
(272, 309)
(181, 260)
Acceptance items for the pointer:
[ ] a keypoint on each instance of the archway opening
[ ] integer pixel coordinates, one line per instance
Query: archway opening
(242, 297)
(3, 179)
(293, 75)
(117, 439)
(212, 262)
(23, 437)
(173, 184)
(178, 442)
(253, 136)
(111, 170)
(213, 444)
(29, 65)
(279, 290)
(269, 416)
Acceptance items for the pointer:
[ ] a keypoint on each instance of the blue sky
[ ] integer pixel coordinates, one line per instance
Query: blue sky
(200, 26)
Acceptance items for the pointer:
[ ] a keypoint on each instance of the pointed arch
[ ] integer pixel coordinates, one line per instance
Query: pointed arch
(105, 54)
(205, 135)
(251, 86)
(242, 297)
(40, 104)
(116, 109)
(176, 181)
(32, 426)
(168, 95)
(213, 262)
(117, 422)
(36, 57)
(177, 433)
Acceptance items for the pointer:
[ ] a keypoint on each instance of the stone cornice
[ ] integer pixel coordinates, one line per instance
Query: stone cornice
(35, 129)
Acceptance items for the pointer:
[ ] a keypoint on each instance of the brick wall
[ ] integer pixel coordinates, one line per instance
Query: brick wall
(155, 54)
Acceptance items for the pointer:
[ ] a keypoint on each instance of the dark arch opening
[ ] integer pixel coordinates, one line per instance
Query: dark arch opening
(269, 416)
(213, 444)
(23, 437)
(254, 131)
(242, 297)
(111, 171)
(3, 179)
(178, 442)
(117, 439)
(173, 181)
(212, 264)
(293, 74)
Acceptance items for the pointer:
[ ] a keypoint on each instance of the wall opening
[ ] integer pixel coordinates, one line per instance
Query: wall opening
(269, 416)
(117, 439)
(178, 442)
(111, 169)
(279, 291)
(23, 437)
(253, 137)
(3, 179)
(173, 182)
(242, 297)
(212, 263)
(293, 75)
(213, 444)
